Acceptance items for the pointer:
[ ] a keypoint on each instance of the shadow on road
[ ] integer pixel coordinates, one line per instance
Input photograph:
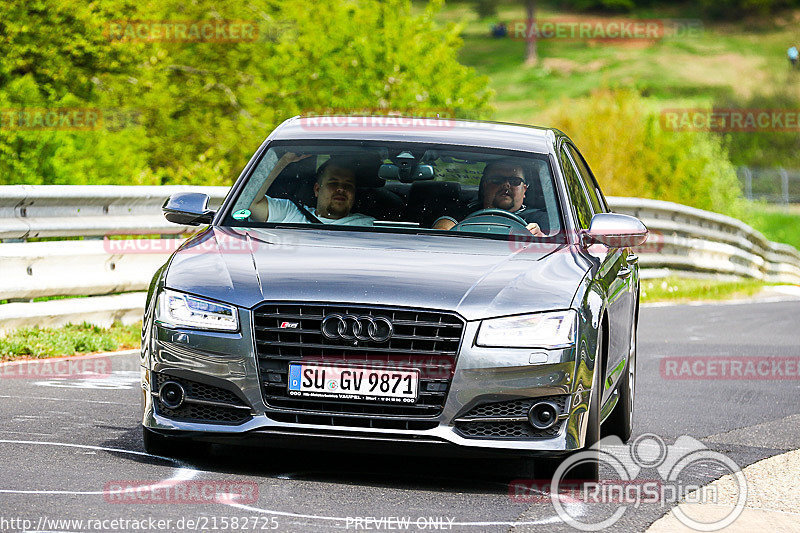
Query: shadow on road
(436, 474)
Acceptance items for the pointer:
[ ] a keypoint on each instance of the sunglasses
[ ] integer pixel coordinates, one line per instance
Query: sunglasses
(514, 181)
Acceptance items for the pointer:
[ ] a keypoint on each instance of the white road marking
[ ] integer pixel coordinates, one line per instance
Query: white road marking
(543, 521)
(182, 474)
(25, 433)
(185, 474)
(118, 380)
(61, 399)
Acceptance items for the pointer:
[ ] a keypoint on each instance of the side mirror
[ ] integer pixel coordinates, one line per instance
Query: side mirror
(615, 231)
(189, 208)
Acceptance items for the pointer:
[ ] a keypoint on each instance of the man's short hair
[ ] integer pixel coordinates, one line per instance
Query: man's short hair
(507, 162)
(347, 163)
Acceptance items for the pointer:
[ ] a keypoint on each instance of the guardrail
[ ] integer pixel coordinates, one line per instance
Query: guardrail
(683, 239)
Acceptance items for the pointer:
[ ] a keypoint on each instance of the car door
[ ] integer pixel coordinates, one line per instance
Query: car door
(629, 269)
(626, 279)
(613, 272)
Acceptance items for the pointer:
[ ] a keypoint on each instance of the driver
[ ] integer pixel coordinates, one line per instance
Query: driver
(503, 186)
(335, 190)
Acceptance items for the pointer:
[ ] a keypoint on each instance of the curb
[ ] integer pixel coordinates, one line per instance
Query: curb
(773, 500)
(786, 293)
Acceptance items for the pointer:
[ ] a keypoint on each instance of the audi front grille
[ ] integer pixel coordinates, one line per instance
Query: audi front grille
(421, 339)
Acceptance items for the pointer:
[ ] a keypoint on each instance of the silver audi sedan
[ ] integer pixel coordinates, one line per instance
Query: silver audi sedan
(403, 285)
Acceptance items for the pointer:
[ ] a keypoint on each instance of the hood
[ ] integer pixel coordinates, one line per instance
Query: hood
(477, 278)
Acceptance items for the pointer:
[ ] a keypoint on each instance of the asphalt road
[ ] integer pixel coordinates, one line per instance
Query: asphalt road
(67, 443)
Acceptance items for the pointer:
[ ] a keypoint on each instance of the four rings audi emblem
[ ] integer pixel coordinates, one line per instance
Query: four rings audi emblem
(357, 328)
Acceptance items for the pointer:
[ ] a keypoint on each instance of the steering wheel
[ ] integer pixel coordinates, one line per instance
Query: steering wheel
(492, 212)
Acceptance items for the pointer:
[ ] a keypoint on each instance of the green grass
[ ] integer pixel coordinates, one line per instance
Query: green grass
(45, 298)
(39, 343)
(776, 223)
(724, 59)
(690, 289)
(730, 60)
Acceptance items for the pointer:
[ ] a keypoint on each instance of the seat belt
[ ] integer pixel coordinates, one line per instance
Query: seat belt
(306, 213)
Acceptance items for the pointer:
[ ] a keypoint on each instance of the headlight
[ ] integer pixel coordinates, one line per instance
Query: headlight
(540, 330)
(182, 310)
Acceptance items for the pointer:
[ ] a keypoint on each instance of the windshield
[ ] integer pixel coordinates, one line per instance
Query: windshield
(401, 187)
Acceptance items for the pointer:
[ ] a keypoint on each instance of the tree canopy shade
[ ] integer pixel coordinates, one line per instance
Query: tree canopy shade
(178, 110)
(716, 8)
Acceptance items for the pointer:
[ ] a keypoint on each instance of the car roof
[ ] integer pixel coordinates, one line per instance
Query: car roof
(418, 129)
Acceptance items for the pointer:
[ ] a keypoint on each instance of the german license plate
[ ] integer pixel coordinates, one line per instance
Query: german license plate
(353, 383)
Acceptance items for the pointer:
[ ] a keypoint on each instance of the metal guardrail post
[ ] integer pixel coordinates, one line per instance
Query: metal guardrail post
(748, 183)
(784, 186)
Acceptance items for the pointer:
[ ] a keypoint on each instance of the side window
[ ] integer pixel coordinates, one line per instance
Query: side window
(573, 182)
(595, 196)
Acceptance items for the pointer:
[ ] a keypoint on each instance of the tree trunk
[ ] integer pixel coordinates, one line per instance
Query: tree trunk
(531, 55)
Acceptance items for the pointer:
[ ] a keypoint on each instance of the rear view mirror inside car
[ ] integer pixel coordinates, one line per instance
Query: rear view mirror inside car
(406, 174)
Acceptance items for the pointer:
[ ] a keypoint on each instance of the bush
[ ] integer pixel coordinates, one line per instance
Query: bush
(631, 154)
(763, 148)
(38, 342)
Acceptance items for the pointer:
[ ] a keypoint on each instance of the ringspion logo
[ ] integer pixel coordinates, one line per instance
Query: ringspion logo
(645, 472)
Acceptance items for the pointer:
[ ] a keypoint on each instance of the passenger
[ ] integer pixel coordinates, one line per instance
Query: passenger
(503, 186)
(335, 190)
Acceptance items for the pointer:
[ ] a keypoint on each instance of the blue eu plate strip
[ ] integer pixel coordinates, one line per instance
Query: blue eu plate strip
(294, 377)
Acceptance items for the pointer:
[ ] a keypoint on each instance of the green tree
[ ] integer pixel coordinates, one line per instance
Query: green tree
(55, 55)
(203, 107)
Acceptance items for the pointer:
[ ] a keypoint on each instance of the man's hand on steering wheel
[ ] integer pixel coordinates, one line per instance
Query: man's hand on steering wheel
(532, 227)
(535, 230)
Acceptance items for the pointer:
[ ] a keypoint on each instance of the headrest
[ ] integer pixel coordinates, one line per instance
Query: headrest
(364, 165)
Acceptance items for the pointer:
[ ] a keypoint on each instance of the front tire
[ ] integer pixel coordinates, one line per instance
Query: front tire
(620, 421)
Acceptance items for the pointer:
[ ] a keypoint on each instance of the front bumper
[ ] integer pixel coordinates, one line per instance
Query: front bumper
(482, 375)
